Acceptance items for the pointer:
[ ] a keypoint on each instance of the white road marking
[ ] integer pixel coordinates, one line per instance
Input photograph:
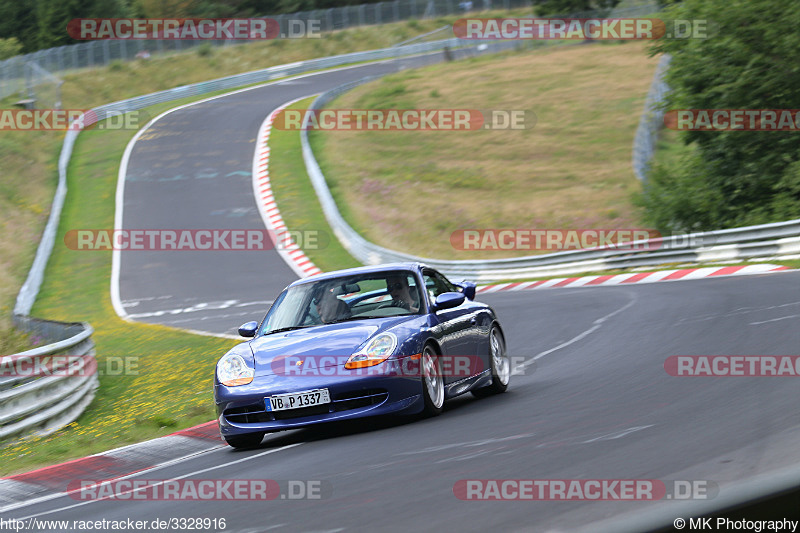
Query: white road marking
(469, 444)
(205, 306)
(774, 320)
(116, 260)
(61, 494)
(617, 434)
(597, 324)
(735, 312)
(161, 482)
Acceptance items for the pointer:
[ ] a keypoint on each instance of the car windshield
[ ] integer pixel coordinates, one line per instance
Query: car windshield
(353, 297)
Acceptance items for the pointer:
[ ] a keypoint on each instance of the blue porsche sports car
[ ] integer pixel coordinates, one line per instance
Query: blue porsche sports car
(388, 339)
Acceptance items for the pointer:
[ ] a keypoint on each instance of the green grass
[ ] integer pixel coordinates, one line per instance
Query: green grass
(567, 169)
(91, 87)
(131, 408)
(27, 182)
(76, 284)
(13, 341)
(297, 201)
(172, 386)
(28, 159)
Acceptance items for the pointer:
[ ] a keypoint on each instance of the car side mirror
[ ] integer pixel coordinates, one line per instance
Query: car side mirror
(448, 300)
(468, 288)
(248, 329)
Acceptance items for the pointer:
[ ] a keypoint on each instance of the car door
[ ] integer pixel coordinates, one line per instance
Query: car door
(455, 330)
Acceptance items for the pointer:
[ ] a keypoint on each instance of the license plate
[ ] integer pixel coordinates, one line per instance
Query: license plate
(296, 400)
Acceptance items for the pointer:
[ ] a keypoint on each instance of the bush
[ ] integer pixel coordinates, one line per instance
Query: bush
(205, 50)
(731, 178)
(9, 48)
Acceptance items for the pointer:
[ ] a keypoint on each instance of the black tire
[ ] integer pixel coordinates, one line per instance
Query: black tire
(246, 441)
(432, 385)
(501, 366)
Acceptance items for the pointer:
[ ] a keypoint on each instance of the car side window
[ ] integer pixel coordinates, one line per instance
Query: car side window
(436, 284)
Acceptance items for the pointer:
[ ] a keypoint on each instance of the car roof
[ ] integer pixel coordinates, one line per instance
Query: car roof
(386, 267)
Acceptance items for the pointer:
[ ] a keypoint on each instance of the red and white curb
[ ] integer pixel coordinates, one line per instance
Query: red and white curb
(52, 481)
(285, 245)
(634, 277)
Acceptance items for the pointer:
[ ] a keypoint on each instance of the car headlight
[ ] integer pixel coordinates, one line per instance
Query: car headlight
(375, 352)
(232, 371)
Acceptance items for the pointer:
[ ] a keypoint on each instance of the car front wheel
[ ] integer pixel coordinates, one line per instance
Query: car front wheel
(432, 382)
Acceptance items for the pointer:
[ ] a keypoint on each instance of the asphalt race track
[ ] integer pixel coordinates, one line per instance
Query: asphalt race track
(599, 407)
(192, 169)
(592, 401)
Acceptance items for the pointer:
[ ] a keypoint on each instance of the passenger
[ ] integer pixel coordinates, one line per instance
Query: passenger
(329, 307)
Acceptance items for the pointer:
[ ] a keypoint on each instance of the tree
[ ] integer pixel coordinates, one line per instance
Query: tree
(573, 7)
(52, 17)
(749, 62)
(9, 48)
(18, 20)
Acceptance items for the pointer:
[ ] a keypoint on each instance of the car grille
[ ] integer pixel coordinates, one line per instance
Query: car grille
(255, 414)
(356, 399)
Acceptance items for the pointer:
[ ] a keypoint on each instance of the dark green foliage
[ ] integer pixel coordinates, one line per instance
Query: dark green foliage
(735, 178)
(573, 7)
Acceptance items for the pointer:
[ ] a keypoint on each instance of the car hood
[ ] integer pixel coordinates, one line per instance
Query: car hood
(331, 344)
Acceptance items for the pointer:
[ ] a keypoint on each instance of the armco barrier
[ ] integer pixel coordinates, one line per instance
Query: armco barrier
(99, 53)
(24, 412)
(766, 240)
(42, 403)
(30, 288)
(45, 404)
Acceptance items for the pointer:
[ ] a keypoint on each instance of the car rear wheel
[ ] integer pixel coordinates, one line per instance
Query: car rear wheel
(501, 366)
(432, 382)
(243, 442)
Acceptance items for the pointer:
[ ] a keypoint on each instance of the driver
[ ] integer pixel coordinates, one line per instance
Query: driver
(329, 307)
(397, 286)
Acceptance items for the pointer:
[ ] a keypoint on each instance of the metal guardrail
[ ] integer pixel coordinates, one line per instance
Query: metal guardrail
(48, 403)
(39, 398)
(732, 244)
(103, 52)
(30, 288)
(68, 401)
